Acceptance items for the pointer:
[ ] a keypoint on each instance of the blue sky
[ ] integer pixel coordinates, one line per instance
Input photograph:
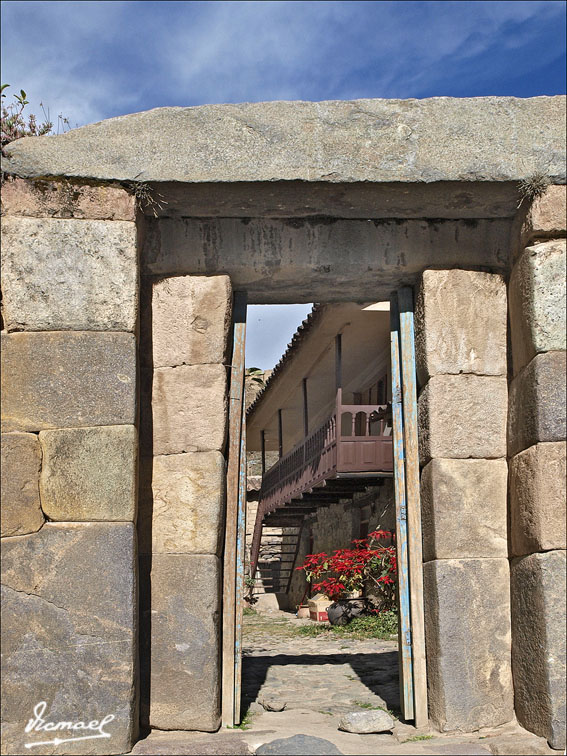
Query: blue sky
(95, 60)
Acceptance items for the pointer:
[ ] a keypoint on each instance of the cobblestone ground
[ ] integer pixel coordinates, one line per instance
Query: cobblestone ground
(326, 674)
(319, 679)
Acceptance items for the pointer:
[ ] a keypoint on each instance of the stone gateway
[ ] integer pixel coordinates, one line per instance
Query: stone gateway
(123, 245)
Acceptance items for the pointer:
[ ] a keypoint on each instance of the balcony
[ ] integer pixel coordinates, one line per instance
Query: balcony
(354, 443)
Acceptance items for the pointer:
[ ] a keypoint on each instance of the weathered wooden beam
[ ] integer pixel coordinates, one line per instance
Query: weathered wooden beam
(404, 627)
(236, 400)
(305, 409)
(409, 398)
(280, 434)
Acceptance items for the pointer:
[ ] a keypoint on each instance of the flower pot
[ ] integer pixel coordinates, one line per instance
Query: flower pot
(343, 610)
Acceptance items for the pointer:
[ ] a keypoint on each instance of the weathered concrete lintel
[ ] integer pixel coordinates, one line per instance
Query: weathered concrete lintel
(435, 139)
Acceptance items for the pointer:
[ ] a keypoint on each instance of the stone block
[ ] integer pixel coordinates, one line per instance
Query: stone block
(547, 215)
(69, 633)
(19, 475)
(58, 198)
(464, 508)
(536, 410)
(180, 636)
(185, 320)
(188, 409)
(538, 644)
(537, 302)
(463, 416)
(182, 504)
(467, 630)
(537, 499)
(460, 323)
(89, 473)
(61, 275)
(65, 379)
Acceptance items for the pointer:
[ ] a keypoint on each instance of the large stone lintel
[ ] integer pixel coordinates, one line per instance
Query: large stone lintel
(435, 139)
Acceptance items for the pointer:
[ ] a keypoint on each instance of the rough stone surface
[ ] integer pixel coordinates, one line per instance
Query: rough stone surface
(537, 302)
(69, 275)
(272, 703)
(63, 199)
(181, 667)
(547, 216)
(330, 260)
(188, 409)
(467, 630)
(299, 745)
(436, 139)
(538, 644)
(69, 632)
(182, 504)
(185, 320)
(460, 323)
(525, 744)
(184, 743)
(19, 475)
(463, 416)
(64, 379)
(464, 508)
(537, 499)
(536, 410)
(89, 473)
(364, 722)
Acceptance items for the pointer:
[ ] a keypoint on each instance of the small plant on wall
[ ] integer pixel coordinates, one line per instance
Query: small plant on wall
(368, 565)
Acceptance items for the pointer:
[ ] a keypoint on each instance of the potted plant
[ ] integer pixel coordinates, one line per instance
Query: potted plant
(346, 575)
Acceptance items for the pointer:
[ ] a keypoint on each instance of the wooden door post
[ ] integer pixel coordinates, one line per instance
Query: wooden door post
(409, 399)
(404, 628)
(235, 414)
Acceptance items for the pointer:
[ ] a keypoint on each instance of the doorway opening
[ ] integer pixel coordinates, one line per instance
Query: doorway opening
(320, 482)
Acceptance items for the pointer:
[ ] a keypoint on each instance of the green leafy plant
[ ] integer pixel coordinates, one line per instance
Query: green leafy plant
(415, 738)
(16, 123)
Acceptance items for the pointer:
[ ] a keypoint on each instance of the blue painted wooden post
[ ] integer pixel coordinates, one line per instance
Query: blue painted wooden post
(240, 551)
(236, 400)
(409, 399)
(404, 632)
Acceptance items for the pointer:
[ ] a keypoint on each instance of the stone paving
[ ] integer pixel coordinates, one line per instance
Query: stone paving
(319, 679)
(328, 675)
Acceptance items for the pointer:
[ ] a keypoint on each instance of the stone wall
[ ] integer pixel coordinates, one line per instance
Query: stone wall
(69, 460)
(462, 370)
(185, 323)
(536, 447)
(334, 527)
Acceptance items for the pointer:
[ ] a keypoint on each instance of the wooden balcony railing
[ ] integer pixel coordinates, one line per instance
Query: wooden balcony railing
(355, 440)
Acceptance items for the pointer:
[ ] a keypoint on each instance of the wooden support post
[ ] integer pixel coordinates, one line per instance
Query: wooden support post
(240, 576)
(263, 442)
(236, 401)
(280, 434)
(404, 629)
(409, 398)
(305, 410)
(338, 361)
